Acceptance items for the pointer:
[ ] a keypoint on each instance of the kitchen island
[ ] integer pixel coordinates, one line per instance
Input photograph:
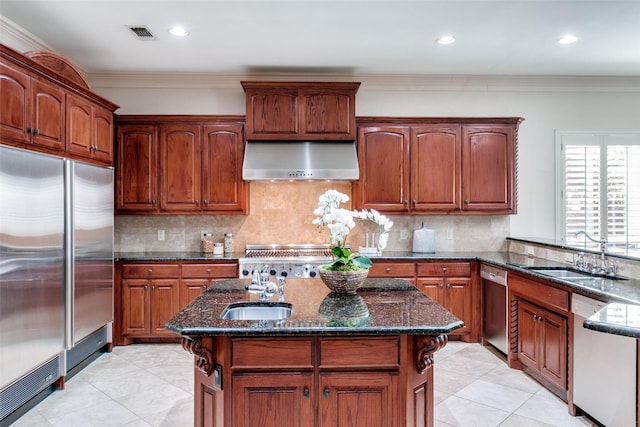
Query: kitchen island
(362, 360)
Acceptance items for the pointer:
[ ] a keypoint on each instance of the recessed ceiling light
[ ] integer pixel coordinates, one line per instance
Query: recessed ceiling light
(446, 40)
(568, 39)
(179, 31)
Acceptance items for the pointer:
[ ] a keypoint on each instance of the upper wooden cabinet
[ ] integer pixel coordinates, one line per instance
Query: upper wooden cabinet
(167, 166)
(449, 167)
(300, 110)
(44, 111)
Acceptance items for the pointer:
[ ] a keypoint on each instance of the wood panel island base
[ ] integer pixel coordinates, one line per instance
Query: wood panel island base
(323, 365)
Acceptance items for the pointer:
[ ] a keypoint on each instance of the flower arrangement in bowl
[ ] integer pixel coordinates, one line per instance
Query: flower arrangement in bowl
(340, 222)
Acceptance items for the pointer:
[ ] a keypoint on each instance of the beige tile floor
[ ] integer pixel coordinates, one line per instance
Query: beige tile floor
(152, 385)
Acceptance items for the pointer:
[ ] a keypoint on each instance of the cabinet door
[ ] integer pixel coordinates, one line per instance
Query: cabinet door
(79, 130)
(383, 157)
(488, 165)
(164, 304)
(137, 170)
(528, 315)
(102, 138)
(358, 399)
(48, 113)
(459, 301)
(327, 114)
(553, 360)
(222, 153)
(180, 168)
(272, 113)
(435, 168)
(433, 287)
(273, 400)
(15, 106)
(135, 307)
(190, 289)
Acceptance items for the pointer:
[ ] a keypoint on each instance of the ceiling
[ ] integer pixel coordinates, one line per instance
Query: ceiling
(504, 37)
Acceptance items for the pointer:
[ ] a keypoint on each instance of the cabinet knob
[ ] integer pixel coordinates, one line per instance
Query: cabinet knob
(406, 202)
(305, 392)
(441, 286)
(325, 393)
(208, 270)
(37, 132)
(150, 270)
(197, 202)
(466, 202)
(388, 269)
(415, 202)
(444, 269)
(449, 285)
(146, 287)
(205, 201)
(153, 202)
(153, 288)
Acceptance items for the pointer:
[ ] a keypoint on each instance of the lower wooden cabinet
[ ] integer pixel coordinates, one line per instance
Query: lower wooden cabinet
(539, 331)
(451, 284)
(150, 294)
(313, 381)
(542, 342)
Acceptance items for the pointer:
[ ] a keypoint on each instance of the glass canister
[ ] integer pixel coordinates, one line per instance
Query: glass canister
(228, 243)
(207, 243)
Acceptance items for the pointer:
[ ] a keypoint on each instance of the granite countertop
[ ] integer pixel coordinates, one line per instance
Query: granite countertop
(394, 306)
(616, 318)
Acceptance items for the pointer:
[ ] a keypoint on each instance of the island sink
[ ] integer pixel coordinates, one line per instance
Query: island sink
(257, 311)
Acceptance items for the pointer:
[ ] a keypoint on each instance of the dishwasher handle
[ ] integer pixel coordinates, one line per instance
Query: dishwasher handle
(493, 274)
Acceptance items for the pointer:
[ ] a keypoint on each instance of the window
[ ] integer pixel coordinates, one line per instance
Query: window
(599, 189)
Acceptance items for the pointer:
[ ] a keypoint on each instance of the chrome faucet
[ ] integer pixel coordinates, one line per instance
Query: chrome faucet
(603, 248)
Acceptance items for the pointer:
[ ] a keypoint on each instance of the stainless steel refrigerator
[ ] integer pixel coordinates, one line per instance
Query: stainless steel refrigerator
(56, 272)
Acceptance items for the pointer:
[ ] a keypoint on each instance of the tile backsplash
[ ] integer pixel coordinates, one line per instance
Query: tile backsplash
(282, 213)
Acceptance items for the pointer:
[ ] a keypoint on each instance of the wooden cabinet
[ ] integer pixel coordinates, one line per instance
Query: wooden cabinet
(197, 277)
(150, 298)
(488, 167)
(539, 331)
(323, 381)
(396, 270)
(300, 110)
(451, 285)
(44, 111)
(437, 168)
(171, 167)
(148, 294)
(137, 168)
(31, 111)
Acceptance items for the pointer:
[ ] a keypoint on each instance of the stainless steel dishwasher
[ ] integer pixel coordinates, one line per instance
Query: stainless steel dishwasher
(494, 324)
(604, 369)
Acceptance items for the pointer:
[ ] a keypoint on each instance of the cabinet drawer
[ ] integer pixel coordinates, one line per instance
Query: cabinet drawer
(150, 270)
(545, 295)
(444, 269)
(209, 270)
(263, 353)
(392, 269)
(363, 352)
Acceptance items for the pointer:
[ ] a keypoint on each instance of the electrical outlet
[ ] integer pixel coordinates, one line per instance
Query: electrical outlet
(404, 234)
(160, 234)
(449, 234)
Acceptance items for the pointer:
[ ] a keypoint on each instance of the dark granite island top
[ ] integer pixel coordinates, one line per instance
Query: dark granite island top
(395, 307)
(616, 318)
(316, 368)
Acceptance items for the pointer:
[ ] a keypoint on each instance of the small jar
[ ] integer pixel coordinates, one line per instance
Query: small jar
(228, 243)
(218, 249)
(207, 243)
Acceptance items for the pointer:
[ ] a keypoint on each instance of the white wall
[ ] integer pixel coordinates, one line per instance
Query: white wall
(547, 104)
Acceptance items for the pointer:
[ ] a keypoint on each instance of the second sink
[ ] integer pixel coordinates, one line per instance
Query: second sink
(257, 311)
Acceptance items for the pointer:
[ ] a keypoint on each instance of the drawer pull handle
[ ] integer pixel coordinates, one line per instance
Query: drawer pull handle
(153, 288)
(449, 285)
(441, 286)
(444, 269)
(197, 202)
(208, 270)
(388, 269)
(150, 270)
(305, 392)
(325, 393)
(146, 287)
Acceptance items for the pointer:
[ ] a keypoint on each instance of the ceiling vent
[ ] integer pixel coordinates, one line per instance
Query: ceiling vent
(143, 32)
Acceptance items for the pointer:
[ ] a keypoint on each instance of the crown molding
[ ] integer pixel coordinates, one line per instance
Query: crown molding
(395, 82)
(17, 38)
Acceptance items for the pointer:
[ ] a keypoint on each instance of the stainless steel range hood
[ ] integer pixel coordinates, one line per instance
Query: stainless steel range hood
(300, 160)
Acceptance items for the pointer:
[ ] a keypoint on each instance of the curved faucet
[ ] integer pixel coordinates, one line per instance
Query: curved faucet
(603, 247)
